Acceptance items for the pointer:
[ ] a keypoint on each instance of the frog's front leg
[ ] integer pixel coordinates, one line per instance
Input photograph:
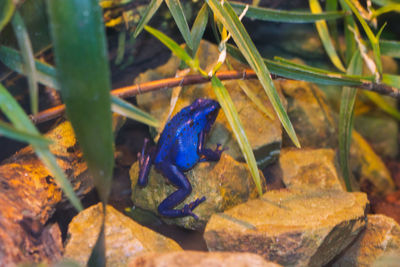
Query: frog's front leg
(206, 153)
(145, 161)
(177, 178)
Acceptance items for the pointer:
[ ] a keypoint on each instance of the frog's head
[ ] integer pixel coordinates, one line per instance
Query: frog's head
(205, 111)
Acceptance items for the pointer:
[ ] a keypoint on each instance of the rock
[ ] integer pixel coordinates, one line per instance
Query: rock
(388, 260)
(316, 127)
(290, 227)
(310, 169)
(388, 205)
(225, 184)
(265, 136)
(380, 237)
(200, 259)
(384, 143)
(125, 239)
(369, 170)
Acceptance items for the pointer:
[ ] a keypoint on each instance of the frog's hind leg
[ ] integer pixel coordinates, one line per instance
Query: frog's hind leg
(176, 177)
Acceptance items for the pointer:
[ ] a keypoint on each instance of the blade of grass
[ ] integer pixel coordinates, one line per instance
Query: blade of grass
(46, 74)
(128, 110)
(233, 118)
(148, 14)
(372, 38)
(21, 122)
(349, 23)
(390, 48)
(198, 28)
(268, 14)
(231, 22)
(385, 2)
(24, 44)
(346, 116)
(8, 131)
(380, 102)
(325, 37)
(332, 6)
(304, 73)
(174, 47)
(7, 8)
(386, 9)
(176, 10)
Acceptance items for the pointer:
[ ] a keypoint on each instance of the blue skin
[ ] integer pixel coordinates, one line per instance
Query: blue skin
(180, 147)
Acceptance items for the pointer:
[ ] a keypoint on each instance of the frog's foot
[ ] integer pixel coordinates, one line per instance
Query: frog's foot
(212, 155)
(188, 208)
(145, 161)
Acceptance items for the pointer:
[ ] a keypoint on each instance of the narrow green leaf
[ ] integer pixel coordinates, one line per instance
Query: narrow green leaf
(231, 22)
(390, 48)
(148, 14)
(323, 32)
(385, 2)
(385, 9)
(332, 6)
(380, 102)
(121, 47)
(174, 47)
(24, 44)
(23, 136)
(86, 94)
(373, 40)
(45, 73)
(346, 115)
(199, 27)
(268, 14)
(305, 73)
(350, 41)
(7, 8)
(128, 110)
(21, 122)
(176, 10)
(232, 116)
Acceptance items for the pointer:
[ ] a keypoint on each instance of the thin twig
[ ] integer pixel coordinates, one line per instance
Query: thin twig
(133, 90)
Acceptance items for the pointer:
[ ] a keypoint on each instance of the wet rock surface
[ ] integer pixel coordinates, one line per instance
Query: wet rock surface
(125, 239)
(380, 238)
(290, 227)
(200, 259)
(225, 184)
(310, 169)
(265, 136)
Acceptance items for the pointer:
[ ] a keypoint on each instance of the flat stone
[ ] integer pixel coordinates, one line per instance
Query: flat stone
(381, 237)
(290, 227)
(201, 259)
(265, 136)
(225, 184)
(316, 127)
(125, 239)
(310, 169)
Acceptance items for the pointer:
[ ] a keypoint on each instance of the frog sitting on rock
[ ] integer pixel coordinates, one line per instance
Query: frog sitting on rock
(180, 147)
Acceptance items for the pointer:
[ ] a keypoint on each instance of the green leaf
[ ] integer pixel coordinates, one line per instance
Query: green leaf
(176, 10)
(24, 44)
(23, 136)
(148, 14)
(174, 47)
(128, 110)
(21, 122)
(268, 14)
(83, 72)
(350, 41)
(232, 116)
(7, 9)
(323, 32)
(373, 40)
(305, 73)
(381, 103)
(231, 22)
(390, 48)
(199, 27)
(346, 116)
(45, 73)
(385, 9)
(385, 2)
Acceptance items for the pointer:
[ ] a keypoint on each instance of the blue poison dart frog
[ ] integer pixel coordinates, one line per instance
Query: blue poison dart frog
(180, 147)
